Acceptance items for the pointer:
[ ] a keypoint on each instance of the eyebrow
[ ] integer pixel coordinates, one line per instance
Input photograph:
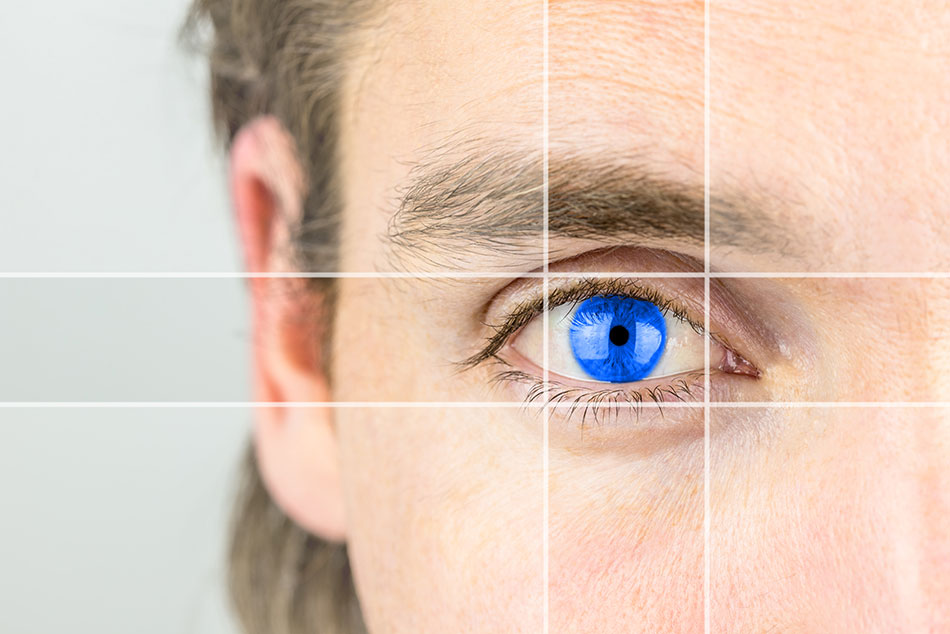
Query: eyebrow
(491, 206)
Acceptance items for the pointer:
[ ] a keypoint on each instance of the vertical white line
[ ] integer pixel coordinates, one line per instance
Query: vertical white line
(706, 356)
(545, 207)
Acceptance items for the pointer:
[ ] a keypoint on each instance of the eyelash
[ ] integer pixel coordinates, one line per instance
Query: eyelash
(585, 401)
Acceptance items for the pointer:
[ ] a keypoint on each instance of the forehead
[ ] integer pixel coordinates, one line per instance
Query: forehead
(449, 77)
(849, 97)
(813, 103)
(437, 68)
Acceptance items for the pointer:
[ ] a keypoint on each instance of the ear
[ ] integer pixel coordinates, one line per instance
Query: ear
(296, 446)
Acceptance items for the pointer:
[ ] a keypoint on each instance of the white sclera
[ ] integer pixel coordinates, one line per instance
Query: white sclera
(683, 351)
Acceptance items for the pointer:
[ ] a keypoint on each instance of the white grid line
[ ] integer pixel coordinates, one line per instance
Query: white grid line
(546, 281)
(706, 310)
(481, 405)
(438, 275)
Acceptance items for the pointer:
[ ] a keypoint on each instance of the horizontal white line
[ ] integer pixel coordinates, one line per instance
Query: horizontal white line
(829, 404)
(480, 274)
(252, 404)
(262, 275)
(351, 275)
(474, 404)
(835, 275)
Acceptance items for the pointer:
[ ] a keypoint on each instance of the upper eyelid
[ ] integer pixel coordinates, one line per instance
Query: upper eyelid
(585, 288)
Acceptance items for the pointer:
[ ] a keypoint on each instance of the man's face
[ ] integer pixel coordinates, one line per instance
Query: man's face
(828, 153)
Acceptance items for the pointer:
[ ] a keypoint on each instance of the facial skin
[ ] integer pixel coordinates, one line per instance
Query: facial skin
(828, 152)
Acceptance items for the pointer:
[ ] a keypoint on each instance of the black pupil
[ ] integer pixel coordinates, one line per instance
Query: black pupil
(619, 335)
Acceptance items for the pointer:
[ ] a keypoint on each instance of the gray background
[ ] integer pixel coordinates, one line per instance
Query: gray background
(108, 160)
(113, 520)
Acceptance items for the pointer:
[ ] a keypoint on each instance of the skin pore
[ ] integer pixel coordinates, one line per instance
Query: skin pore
(828, 136)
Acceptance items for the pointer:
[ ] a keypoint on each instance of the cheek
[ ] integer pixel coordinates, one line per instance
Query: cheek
(817, 526)
(398, 340)
(375, 336)
(627, 545)
(816, 566)
(444, 519)
(628, 583)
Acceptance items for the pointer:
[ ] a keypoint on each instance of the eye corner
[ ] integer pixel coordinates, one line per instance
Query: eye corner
(736, 364)
(733, 362)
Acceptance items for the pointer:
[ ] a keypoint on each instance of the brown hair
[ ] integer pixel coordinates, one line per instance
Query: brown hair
(286, 58)
(282, 579)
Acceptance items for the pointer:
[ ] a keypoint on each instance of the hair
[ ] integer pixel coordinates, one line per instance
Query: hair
(287, 59)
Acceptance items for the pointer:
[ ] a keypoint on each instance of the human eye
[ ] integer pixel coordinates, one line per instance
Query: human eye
(613, 338)
(610, 341)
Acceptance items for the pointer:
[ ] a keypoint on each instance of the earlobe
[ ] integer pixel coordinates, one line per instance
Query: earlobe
(296, 446)
(299, 462)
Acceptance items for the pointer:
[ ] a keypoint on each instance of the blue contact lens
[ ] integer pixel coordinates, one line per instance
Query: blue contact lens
(617, 339)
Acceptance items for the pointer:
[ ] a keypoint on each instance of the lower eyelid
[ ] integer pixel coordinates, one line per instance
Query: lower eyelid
(686, 387)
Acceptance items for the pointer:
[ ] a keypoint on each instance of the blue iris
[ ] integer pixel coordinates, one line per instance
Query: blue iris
(617, 339)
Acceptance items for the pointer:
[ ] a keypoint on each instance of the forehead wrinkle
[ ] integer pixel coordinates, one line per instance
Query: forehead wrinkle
(890, 22)
(842, 42)
(438, 77)
(627, 31)
(630, 73)
(667, 94)
(427, 36)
